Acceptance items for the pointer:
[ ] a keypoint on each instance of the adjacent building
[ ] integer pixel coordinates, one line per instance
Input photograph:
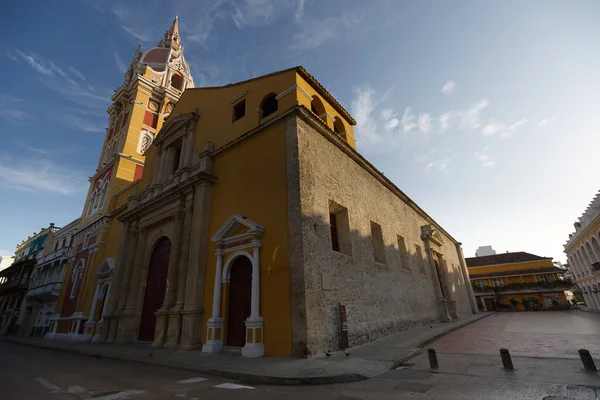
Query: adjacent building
(484, 251)
(6, 261)
(15, 280)
(46, 282)
(519, 280)
(583, 253)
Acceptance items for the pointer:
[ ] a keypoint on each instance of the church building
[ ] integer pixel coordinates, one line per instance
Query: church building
(248, 222)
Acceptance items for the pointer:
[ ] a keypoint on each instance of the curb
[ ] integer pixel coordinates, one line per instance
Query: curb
(249, 377)
(239, 376)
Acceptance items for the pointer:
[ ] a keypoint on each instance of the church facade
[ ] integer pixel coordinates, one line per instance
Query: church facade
(254, 224)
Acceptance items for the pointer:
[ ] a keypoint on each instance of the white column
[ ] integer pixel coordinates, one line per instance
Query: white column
(254, 324)
(255, 304)
(94, 302)
(214, 325)
(106, 300)
(216, 310)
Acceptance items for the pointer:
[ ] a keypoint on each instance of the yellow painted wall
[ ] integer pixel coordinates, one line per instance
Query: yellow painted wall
(562, 299)
(252, 182)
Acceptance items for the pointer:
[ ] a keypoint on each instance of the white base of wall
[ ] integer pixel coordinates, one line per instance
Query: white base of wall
(68, 336)
(253, 350)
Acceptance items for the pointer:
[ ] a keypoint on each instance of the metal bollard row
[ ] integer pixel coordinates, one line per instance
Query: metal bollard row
(507, 364)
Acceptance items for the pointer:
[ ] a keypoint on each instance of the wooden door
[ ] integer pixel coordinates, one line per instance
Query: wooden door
(156, 284)
(240, 295)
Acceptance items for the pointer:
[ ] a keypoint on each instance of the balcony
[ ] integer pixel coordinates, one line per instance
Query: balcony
(62, 252)
(48, 290)
(528, 287)
(14, 285)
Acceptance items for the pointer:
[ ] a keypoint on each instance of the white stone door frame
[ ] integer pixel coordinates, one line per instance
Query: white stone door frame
(236, 245)
(103, 283)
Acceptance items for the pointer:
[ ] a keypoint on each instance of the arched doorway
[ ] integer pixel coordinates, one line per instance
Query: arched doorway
(240, 295)
(156, 284)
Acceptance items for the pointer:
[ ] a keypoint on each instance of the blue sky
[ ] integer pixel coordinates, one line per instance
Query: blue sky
(484, 112)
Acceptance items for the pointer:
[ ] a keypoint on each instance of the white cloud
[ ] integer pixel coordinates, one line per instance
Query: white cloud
(547, 121)
(362, 107)
(129, 20)
(485, 159)
(439, 164)
(120, 64)
(32, 149)
(391, 124)
(448, 88)
(470, 118)
(254, 12)
(491, 129)
(408, 120)
(424, 123)
(35, 63)
(389, 118)
(84, 125)
(299, 11)
(444, 120)
(504, 130)
(73, 85)
(11, 109)
(313, 33)
(39, 176)
(387, 113)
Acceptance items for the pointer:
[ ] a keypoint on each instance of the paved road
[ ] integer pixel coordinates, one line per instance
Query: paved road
(549, 334)
(30, 373)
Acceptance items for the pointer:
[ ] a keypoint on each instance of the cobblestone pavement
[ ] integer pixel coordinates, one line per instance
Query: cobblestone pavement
(548, 334)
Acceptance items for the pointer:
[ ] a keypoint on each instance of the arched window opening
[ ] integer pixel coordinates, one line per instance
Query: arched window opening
(103, 194)
(269, 105)
(316, 106)
(76, 279)
(338, 126)
(91, 203)
(177, 81)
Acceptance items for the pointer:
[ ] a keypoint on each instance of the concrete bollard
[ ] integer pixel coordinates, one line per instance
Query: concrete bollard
(433, 361)
(506, 360)
(586, 360)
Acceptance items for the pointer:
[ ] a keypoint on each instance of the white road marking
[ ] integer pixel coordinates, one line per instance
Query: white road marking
(79, 390)
(192, 380)
(121, 395)
(232, 386)
(181, 395)
(48, 385)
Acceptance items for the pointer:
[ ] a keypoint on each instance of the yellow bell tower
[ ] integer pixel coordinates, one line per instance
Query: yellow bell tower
(152, 85)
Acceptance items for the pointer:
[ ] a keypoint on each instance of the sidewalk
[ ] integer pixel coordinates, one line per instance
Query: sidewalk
(365, 361)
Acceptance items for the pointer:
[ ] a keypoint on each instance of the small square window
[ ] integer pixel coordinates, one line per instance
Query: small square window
(339, 228)
(403, 253)
(239, 110)
(378, 245)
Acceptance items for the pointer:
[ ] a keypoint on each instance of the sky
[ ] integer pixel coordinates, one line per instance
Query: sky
(485, 113)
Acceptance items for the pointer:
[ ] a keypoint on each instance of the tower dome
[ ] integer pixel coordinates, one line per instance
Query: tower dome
(165, 64)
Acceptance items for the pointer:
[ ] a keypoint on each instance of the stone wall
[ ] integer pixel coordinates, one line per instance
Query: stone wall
(380, 298)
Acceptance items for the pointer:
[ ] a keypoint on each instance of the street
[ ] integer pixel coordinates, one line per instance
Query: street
(31, 373)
